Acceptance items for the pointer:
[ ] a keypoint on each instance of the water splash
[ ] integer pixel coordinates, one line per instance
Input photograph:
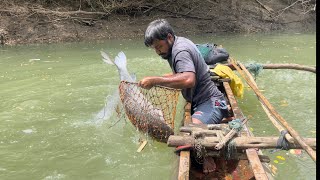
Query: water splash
(106, 112)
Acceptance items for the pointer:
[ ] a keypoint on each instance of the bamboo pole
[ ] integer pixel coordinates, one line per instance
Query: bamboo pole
(273, 120)
(293, 133)
(289, 66)
(229, 136)
(190, 127)
(281, 66)
(209, 142)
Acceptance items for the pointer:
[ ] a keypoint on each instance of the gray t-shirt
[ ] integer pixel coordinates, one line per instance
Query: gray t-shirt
(187, 58)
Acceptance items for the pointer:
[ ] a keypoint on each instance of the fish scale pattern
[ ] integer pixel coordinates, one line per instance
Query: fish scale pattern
(151, 111)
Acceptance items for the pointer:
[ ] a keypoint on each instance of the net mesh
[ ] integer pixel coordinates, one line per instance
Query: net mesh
(151, 111)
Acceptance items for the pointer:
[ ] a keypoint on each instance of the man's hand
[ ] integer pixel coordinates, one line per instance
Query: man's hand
(147, 83)
(178, 81)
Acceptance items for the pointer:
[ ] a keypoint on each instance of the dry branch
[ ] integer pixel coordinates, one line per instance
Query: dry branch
(282, 10)
(185, 15)
(270, 10)
(66, 13)
(155, 6)
(48, 11)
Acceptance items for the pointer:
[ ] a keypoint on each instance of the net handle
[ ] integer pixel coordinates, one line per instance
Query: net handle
(169, 88)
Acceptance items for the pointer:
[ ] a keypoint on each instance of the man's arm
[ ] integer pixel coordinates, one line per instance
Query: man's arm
(178, 81)
(167, 74)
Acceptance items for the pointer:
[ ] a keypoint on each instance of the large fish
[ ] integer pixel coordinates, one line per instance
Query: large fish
(142, 113)
(113, 100)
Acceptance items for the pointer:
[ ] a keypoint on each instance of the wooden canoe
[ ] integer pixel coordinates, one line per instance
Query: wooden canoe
(247, 166)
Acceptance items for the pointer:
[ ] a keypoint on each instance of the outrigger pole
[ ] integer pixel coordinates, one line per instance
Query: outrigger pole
(289, 66)
(273, 120)
(312, 69)
(293, 133)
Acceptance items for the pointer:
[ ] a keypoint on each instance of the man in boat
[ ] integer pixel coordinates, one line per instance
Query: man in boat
(190, 74)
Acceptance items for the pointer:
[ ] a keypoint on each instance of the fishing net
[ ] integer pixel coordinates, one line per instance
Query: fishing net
(200, 151)
(151, 111)
(231, 150)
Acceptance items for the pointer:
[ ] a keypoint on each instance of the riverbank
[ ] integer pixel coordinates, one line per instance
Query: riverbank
(34, 23)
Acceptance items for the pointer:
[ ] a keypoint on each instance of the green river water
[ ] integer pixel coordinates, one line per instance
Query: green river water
(50, 94)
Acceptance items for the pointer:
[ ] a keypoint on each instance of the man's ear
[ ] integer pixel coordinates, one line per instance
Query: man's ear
(170, 38)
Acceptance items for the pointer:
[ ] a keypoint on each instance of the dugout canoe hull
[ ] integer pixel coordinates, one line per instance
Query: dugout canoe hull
(249, 167)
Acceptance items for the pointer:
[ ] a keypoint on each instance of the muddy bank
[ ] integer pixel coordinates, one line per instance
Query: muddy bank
(30, 23)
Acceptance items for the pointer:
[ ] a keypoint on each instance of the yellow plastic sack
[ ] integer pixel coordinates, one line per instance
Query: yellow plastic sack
(235, 84)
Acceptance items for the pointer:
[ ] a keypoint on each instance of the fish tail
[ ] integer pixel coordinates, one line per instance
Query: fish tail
(106, 58)
(120, 60)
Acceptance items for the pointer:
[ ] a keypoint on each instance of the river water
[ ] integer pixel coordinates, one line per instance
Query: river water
(50, 95)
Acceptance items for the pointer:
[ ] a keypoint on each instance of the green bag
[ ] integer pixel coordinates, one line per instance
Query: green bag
(212, 54)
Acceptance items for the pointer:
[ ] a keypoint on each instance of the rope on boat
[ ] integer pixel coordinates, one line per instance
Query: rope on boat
(236, 124)
(282, 142)
(231, 145)
(231, 150)
(255, 69)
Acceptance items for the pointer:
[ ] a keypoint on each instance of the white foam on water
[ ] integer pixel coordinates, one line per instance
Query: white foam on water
(55, 176)
(28, 131)
(2, 169)
(110, 161)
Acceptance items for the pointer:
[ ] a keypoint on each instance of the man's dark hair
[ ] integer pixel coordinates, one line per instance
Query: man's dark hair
(157, 29)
